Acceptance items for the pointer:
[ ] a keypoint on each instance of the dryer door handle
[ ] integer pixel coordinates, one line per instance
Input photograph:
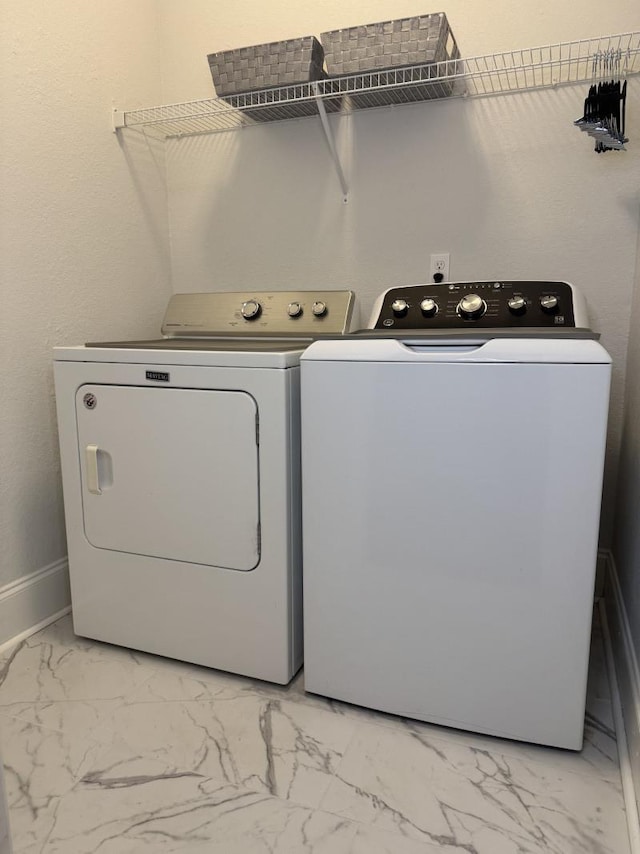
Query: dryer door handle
(91, 463)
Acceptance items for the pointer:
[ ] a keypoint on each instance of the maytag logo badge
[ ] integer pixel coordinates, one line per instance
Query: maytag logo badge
(157, 376)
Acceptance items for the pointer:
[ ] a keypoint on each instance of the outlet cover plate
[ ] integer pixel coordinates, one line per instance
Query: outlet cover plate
(440, 264)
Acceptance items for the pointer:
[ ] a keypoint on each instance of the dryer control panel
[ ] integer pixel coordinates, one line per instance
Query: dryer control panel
(255, 313)
(484, 304)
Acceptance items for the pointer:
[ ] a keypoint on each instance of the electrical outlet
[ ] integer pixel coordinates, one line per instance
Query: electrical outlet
(440, 267)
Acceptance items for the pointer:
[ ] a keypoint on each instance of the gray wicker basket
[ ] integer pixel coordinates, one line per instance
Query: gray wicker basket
(403, 51)
(264, 66)
(249, 77)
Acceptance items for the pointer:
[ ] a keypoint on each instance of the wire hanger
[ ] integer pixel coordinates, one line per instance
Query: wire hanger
(604, 111)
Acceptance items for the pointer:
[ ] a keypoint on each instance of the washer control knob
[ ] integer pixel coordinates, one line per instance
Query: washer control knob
(319, 308)
(294, 309)
(517, 305)
(400, 307)
(471, 307)
(251, 309)
(429, 307)
(549, 303)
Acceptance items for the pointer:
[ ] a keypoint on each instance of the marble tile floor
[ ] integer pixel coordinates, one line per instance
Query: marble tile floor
(118, 752)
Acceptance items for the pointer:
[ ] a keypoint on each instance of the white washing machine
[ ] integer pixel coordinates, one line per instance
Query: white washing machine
(452, 462)
(181, 475)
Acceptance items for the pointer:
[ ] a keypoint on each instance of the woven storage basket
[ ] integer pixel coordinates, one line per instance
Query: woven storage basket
(247, 77)
(263, 66)
(400, 52)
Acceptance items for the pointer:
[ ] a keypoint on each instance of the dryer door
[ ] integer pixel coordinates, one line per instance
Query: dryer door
(171, 473)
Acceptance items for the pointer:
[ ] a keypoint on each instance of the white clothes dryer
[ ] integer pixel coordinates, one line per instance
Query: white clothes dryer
(181, 476)
(452, 463)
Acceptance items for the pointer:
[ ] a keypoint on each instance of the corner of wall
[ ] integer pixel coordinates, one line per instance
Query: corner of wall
(33, 601)
(627, 674)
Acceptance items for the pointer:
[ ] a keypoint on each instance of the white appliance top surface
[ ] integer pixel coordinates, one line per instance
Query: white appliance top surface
(205, 353)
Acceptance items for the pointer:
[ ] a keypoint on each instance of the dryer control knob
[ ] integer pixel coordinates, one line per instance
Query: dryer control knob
(294, 309)
(399, 307)
(517, 305)
(251, 309)
(549, 303)
(471, 307)
(429, 307)
(319, 308)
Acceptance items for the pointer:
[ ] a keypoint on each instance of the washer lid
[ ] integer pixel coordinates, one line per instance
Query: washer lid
(466, 348)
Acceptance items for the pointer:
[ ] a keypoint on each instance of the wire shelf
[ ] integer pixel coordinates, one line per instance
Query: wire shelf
(495, 74)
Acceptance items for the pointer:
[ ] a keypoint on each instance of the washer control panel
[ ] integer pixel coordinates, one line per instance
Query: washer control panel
(460, 305)
(274, 313)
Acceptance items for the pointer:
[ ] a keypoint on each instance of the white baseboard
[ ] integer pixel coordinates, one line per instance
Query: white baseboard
(31, 602)
(627, 676)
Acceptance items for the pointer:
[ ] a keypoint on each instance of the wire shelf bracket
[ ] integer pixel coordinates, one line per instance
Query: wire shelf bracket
(326, 127)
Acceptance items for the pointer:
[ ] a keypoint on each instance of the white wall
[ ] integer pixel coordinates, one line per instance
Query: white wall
(627, 531)
(623, 591)
(505, 184)
(83, 233)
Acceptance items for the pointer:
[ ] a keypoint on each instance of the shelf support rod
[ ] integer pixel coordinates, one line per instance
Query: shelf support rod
(330, 141)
